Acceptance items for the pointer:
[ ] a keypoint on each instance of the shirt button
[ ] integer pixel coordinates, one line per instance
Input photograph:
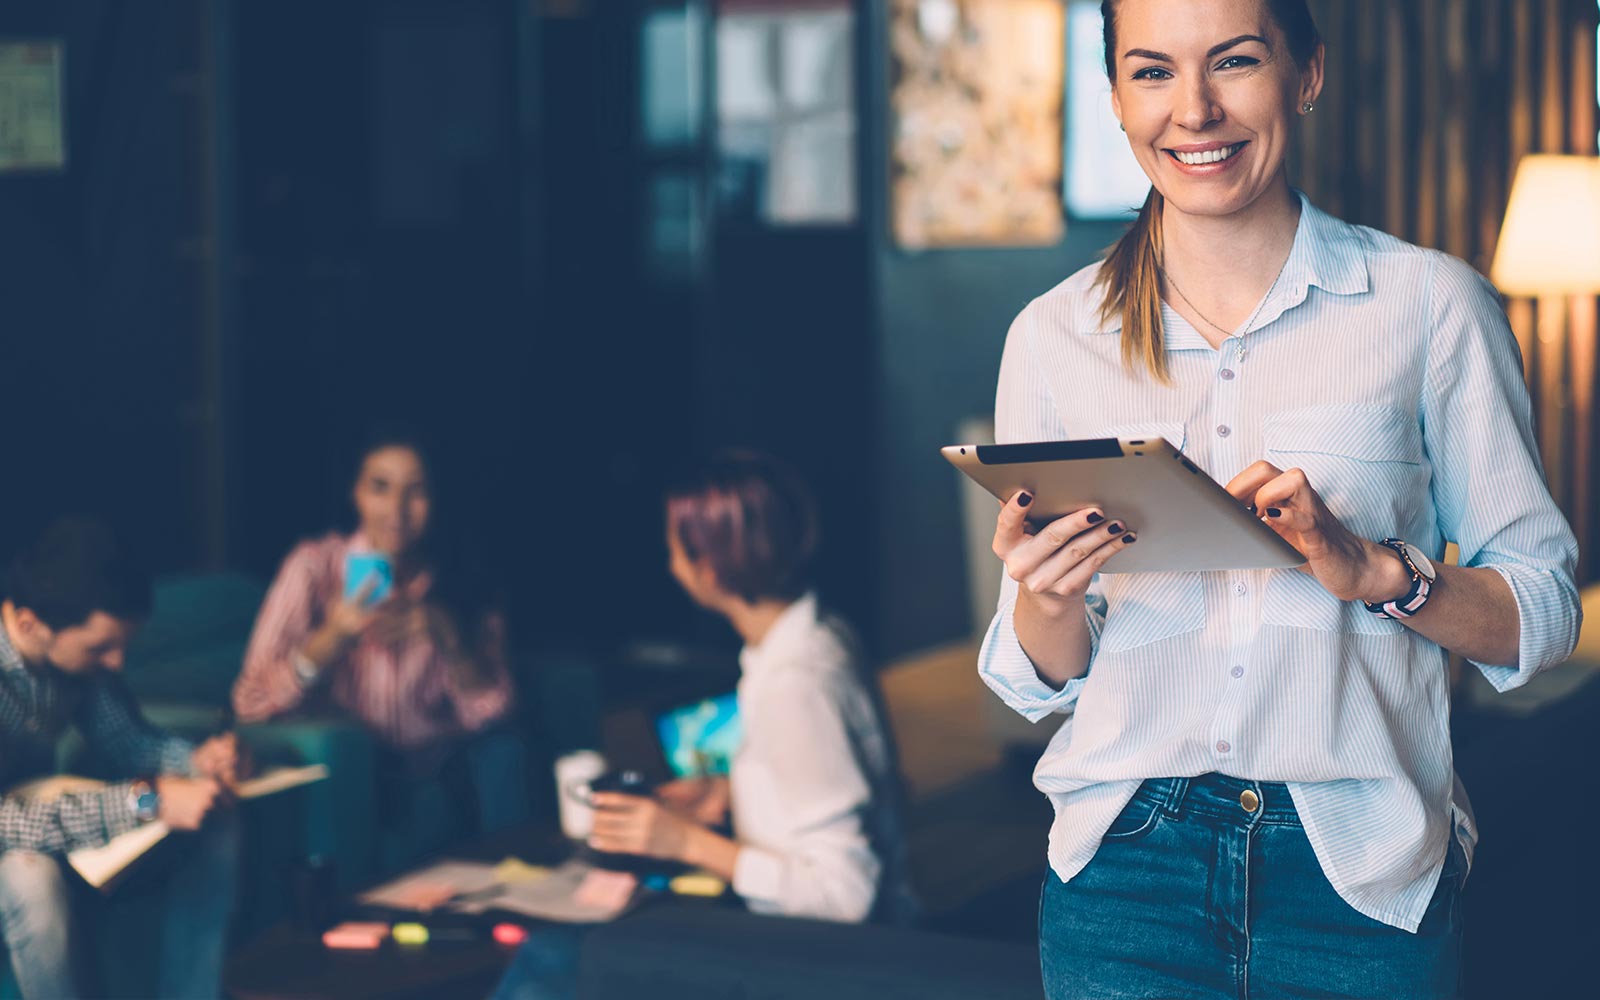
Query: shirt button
(1237, 671)
(1227, 374)
(1239, 589)
(1223, 430)
(1223, 746)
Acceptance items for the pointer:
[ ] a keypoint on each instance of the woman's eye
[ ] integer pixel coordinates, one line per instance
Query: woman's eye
(1152, 73)
(1237, 62)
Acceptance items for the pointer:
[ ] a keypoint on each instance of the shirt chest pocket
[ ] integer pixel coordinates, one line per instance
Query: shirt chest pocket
(1367, 464)
(1142, 608)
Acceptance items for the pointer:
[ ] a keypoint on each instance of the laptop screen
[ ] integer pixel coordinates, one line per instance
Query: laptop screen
(700, 738)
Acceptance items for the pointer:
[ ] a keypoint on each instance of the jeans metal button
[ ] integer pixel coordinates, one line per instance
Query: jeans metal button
(1249, 801)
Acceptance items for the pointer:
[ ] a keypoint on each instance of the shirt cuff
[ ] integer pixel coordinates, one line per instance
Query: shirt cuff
(1006, 668)
(1549, 615)
(758, 874)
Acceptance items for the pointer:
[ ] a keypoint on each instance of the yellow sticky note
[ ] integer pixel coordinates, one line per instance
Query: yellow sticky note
(514, 869)
(698, 884)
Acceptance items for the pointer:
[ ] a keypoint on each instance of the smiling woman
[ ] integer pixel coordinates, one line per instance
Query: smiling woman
(1253, 787)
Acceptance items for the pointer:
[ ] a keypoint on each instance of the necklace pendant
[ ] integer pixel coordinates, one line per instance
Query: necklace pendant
(1239, 358)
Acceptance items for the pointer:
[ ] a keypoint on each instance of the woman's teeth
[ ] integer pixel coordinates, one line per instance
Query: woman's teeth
(1210, 156)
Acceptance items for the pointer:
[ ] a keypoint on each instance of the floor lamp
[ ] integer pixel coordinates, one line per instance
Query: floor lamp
(1549, 249)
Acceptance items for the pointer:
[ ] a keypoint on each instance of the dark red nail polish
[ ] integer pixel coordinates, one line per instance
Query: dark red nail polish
(1114, 528)
(1023, 499)
(1096, 518)
(1273, 512)
(1252, 508)
(1129, 538)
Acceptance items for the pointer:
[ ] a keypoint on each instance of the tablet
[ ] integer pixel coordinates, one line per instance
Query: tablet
(1185, 520)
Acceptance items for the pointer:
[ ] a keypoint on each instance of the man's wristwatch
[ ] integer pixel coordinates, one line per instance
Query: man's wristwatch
(1422, 576)
(146, 801)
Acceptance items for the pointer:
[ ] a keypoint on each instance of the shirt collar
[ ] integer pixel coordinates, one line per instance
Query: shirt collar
(1327, 253)
(795, 621)
(10, 659)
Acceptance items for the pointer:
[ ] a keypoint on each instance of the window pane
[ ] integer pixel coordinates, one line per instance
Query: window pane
(1103, 180)
(669, 78)
(786, 122)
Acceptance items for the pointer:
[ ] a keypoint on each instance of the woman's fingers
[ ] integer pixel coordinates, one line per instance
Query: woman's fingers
(1012, 525)
(1079, 533)
(1070, 570)
(1248, 483)
(1285, 490)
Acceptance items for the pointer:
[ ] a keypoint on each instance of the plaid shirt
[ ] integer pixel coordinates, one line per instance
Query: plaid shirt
(36, 705)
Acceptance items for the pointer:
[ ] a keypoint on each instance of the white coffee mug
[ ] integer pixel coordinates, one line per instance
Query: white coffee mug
(574, 771)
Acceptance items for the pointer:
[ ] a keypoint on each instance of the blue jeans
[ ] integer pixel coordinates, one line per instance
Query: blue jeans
(431, 797)
(1191, 896)
(36, 915)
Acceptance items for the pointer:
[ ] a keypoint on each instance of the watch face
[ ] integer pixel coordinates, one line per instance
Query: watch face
(1421, 561)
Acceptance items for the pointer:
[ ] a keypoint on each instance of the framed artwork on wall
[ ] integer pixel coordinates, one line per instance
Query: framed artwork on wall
(33, 131)
(976, 133)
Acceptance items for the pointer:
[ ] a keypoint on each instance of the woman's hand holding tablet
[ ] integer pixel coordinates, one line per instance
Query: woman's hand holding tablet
(1056, 562)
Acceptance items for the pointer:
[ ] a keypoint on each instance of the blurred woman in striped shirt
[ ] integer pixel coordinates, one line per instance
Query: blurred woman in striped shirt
(423, 668)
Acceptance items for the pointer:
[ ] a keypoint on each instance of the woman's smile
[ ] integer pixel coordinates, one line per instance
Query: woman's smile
(1206, 157)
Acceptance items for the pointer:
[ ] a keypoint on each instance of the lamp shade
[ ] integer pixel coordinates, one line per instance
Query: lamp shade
(1550, 243)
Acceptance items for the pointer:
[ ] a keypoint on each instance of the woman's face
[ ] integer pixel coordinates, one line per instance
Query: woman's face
(1209, 95)
(391, 497)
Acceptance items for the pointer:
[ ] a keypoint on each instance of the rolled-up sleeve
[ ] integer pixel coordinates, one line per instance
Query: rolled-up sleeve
(1488, 483)
(268, 684)
(1025, 411)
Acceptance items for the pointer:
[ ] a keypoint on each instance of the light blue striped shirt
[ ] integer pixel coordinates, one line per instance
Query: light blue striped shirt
(1388, 373)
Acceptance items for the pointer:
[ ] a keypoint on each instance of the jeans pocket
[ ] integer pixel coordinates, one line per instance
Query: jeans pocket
(1137, 819)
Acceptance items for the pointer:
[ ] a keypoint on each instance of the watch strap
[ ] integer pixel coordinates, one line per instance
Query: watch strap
(1413, 599)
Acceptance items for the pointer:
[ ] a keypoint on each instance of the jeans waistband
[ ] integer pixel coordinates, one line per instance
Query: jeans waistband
(1217, 797)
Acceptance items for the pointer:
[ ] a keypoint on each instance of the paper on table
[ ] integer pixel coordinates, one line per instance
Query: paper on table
(99, 865)
(514, 869)
(431, 887)
(280, 779)
(574, 893)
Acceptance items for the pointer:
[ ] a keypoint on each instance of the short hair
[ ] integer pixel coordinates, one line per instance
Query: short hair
(753, 518)
(75, 567)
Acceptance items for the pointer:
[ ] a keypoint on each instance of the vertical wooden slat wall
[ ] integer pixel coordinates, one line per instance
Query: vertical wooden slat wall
(1428, 108)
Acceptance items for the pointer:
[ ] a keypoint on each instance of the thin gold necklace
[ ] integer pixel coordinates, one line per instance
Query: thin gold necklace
(1218, 326)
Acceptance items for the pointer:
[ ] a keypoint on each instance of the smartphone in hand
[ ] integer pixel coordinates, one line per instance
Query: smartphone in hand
(359, 567)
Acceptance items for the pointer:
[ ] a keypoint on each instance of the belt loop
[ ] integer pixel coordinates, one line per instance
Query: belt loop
(1177, 788)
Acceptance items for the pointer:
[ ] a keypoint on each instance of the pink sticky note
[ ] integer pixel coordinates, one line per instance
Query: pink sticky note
(355, 935)
(603, 890)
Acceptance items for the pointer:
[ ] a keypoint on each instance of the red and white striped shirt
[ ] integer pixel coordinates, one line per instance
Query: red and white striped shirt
(410, 694)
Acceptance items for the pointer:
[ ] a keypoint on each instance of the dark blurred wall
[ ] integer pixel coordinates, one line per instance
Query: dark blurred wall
(97, 273)
(381, 252)
(441, 212)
